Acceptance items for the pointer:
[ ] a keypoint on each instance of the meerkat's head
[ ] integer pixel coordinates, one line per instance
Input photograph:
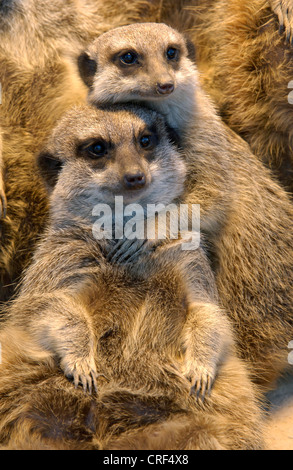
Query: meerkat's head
(97, 154)
(140, 62)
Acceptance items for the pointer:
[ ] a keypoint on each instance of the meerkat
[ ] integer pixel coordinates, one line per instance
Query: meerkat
(153, 328)
(150, 172)
(245, 215)
(27, 214)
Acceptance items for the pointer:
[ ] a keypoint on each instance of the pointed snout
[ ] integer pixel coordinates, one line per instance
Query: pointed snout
(165, 88)
(134, 180)
(133, 168)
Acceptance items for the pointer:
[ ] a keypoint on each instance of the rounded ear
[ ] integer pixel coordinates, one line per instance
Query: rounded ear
(50, 167)
(87, 69)
(190, 48)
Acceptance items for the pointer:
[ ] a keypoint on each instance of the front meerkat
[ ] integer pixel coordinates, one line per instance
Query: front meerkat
(245, 215)
(63, 299)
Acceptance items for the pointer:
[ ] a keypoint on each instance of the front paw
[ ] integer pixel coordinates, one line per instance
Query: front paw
(284, 10)
(201, 379)
(128, 251)
(82, 370)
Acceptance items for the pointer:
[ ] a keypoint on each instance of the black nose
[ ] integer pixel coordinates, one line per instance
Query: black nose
(134, 181)
(165, 88)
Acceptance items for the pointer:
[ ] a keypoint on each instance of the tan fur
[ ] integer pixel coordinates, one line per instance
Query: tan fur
(152, 328)
(247, 217)
(31, 30)
(3, 202)
(48, 413)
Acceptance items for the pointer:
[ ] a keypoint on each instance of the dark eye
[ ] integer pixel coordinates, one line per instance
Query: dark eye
(146, 141)
(96, 150)
(129, 58)
(172, 53)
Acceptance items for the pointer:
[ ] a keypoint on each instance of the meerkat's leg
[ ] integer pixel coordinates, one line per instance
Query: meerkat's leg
(206, 333)
(284, 10)
(205, 339)
(206, 336)
(60, 323)
(204, 343)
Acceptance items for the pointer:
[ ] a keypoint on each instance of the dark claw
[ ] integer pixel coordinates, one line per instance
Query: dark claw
(76, 380)
(87, 382)
(198, 387)
(200, 393)
(3, 206)
(209, 386)
(202, 388)
(84, 384)
(114, 250)
(120, 251)
(95, 382)
(204, 392)
(123, 256)
(136, 254)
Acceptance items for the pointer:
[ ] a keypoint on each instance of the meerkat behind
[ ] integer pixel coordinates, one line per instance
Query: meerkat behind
(127, 65)
(152, 329)
(246, 216)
